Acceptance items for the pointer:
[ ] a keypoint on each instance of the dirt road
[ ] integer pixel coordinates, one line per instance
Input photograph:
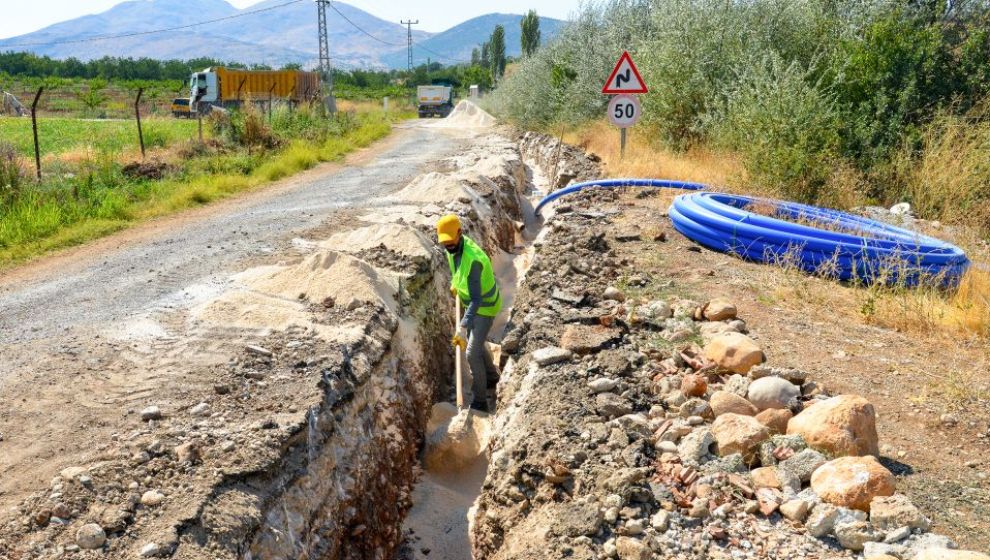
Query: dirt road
(89, 335)
(146, 269)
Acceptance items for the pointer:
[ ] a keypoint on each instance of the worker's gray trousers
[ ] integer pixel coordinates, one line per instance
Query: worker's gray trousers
(479, 360)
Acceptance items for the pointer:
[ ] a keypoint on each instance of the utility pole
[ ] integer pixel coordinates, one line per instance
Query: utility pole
(409, 25)
(326, 68)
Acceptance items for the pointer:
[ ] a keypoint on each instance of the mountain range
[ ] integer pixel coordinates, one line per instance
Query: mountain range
(273, 32)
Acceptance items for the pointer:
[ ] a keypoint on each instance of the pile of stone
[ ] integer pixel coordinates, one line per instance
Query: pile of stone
(632, 428)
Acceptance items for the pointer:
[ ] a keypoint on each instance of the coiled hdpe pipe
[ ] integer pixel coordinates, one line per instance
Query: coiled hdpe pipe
(845, 246)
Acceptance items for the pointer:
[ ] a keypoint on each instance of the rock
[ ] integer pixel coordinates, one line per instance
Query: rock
(821, 520)
(152, 498)
(634, 527)
(876, 550)
(724, 402)
(585, 339)
(897, 535)
(718, 309)
(695, 407)
(699, 508)
(736, 433)
(775, 419)
(201, 409)
(892, 512)
(773, 392)
(602, 385)
(803, 464)
(629, 548)
(90, 537)
(779, 448)
(72, 473)
(697, 447)
(614, 294)
(949, 554)
(151, 413)
(852, 482)
(258, 351)
(769, 500)
(840, 426)
(737, 385)
(694, 385)
(926, 541)
(795, 510)
(855, 535)
(611, 405)
(150, 550)
(660, 521)
(188, 453)
(567, 297)
(42, 517)
(765, 477)
(734, 352)
(551, 355)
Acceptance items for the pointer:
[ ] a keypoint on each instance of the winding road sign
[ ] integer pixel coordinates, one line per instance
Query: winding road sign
(624, 78)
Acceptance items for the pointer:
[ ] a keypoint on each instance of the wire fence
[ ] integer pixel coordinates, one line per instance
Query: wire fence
(109, 118)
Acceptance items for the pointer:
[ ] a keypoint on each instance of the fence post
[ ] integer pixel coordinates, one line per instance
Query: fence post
(137, 113)
(199, 118)
(239, 86)
(270, 90)
(292, 97)
(34, 128)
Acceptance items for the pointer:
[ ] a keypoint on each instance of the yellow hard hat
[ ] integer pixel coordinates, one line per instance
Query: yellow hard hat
(448, 229)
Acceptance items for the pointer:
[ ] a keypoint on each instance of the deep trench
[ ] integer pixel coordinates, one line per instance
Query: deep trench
(350, 485)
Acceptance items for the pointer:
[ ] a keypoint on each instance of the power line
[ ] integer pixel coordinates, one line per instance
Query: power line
(358, 27)
(420, 45)
(153, 31)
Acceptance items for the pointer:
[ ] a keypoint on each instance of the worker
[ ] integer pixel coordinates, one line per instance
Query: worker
(472, 280)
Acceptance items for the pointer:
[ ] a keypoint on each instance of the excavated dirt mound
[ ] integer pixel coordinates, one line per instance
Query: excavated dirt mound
(466, 115)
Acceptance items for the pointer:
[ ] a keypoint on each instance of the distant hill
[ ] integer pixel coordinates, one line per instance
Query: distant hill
(275, 37)
(457, 42)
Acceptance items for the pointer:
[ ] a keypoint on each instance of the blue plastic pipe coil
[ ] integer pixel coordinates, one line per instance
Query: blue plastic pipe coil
(843, 246)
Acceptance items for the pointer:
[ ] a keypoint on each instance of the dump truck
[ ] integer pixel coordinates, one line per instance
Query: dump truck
(181, 108)
(227, 88)
(435, 100)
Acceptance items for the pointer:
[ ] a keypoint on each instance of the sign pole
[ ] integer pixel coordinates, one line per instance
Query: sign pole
(622, 143)
(624, 110)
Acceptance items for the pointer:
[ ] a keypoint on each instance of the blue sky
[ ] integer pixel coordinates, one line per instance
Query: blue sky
(434, 15)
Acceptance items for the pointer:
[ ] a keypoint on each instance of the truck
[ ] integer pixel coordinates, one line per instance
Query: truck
(435, 100)
(228, 88)
(180, 108)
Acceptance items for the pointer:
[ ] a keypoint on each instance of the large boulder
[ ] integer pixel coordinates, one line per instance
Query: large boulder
(773, 392)
(736, 433)
(724, 402)
(852, 482)
(840, 426)
(734, 351)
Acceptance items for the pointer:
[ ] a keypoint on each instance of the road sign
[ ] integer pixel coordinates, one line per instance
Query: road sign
(624, 78)
(624, 111)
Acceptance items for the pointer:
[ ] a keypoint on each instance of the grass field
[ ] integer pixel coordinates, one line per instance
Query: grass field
(98, 199)
(58, 135)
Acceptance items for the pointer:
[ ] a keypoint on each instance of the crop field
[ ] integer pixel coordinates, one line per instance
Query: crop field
(58, 135)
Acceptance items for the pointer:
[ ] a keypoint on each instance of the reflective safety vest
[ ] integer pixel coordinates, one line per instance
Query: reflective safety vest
(491, 297)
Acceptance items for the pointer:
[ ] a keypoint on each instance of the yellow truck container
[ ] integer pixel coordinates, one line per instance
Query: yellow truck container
(223, 87)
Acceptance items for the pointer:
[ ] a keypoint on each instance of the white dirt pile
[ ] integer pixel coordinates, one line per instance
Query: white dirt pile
(467, 115)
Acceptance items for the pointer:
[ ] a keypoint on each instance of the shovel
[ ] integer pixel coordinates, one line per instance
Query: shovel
(455, 437)
(458, 368)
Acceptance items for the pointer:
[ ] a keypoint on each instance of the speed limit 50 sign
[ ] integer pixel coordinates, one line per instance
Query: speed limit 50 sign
(624, 111)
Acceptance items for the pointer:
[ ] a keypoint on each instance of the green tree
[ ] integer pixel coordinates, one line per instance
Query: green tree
(530, 25)
(486, 58)
(496, 52)
(475, 56)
